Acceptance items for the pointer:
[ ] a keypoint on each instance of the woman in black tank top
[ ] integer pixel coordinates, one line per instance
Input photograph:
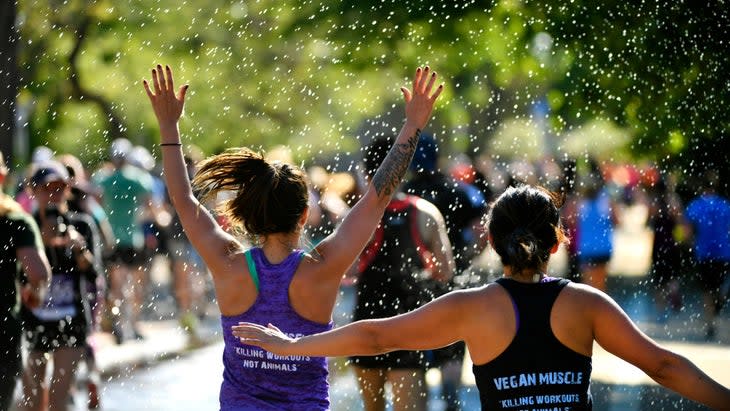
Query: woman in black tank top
(529, 336)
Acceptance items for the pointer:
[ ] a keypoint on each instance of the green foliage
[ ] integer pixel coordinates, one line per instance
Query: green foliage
(308, 73)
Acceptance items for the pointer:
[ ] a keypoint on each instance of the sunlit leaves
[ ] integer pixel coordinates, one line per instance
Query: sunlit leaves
(271, 72)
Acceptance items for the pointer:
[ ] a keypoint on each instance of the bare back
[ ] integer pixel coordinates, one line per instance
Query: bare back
(493, 326)
(309, 296)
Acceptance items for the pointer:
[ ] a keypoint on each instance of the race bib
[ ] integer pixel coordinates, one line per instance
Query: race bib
(60, 301)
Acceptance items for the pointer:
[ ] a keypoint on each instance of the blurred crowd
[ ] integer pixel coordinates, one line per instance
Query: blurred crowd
(102, 230)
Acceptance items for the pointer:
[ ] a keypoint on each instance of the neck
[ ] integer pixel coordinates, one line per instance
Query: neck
(530, 275)
(278, 246)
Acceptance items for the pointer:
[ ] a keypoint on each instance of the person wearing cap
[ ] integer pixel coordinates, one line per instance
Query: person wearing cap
(23, 250)
(126, 195)
(58, 327)
(83, 200)
(85, 197)
(462, 206)
(23, 195)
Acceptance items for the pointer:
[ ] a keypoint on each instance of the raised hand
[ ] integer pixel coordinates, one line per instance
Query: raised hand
(269, 338)
(168, 105)
(420, 101)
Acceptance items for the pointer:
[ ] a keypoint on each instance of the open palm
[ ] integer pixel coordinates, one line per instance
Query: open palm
(167, 104)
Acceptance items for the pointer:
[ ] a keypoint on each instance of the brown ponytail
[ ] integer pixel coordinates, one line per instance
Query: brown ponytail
(269, 197)
(524, 223)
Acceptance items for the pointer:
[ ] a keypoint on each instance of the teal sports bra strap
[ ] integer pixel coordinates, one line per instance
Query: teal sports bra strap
(252, 268)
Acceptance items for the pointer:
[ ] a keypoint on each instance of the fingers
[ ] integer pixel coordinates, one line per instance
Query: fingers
(247, 326)
(406, 94)
(246, 333)
(249, 330)
(182, 92)
(161, 78)
(422, 80)
(438, 92)
(250, 333)
(169, 84)
(163, 82)
(147, 89)
(431, 81)
(416, 79)
(156, 83)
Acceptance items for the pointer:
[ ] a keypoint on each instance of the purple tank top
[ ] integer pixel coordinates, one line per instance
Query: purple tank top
(254, 379)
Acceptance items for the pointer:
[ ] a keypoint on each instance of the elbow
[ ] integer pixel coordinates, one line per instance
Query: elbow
(376, 341)
(666, 369)
(174, 198)
(182, 200)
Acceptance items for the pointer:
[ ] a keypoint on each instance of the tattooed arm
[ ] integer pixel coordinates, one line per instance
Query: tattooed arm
(394, 166)
(340, 249)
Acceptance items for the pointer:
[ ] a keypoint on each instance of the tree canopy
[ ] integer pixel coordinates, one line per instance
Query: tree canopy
(309, 73)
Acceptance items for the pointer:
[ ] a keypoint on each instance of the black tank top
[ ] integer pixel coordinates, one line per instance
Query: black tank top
(536, 371)
(392, 265)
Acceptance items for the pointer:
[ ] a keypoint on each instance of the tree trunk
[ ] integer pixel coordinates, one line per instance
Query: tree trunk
(8, 78)
(116, 127)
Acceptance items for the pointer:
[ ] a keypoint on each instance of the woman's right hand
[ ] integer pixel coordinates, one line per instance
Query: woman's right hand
(420, 101)
(167, 105)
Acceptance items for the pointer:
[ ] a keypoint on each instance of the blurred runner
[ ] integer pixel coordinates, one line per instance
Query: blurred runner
(462, 205)
(126, 192)
(57, 329)
(407, 264)
(709, 217)
(23, 250)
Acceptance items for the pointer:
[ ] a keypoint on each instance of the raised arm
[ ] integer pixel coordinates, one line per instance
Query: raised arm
(340, 249)
(616, 333)
(209, 239)
(409, 331)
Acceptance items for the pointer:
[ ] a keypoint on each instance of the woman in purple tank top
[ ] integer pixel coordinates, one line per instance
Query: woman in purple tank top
(275, 282)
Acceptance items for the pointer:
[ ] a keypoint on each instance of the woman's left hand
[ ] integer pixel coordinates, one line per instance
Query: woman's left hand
(269, 338)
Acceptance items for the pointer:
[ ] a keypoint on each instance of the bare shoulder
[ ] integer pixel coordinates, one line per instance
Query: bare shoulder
(490, 322)
(586, 299)
(573, 317)
(313, 262)
(314, 258)
(234, 285)
(584, 293)
(478, 293)
(490, 298)
(314, 275)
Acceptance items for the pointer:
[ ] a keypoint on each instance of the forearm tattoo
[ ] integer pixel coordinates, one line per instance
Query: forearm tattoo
(394, 166)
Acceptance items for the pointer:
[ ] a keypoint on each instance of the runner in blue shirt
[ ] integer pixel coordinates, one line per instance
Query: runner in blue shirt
(709, 216)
